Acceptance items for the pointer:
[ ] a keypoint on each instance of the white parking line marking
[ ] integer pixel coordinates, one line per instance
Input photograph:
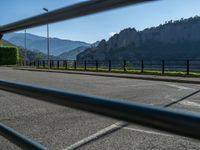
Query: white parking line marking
(180, 87)
(136, 85)
(184, 102)
(148, 132)
(97, 135)
(190, 103)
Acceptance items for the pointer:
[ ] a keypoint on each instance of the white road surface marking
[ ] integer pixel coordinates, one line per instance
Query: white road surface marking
(189, 103)
(136, 85)
(110, 129)
(180, 87)
(107, 130)
(184, 102)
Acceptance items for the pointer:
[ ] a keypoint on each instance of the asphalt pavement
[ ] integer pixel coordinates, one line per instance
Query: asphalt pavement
(59, 127)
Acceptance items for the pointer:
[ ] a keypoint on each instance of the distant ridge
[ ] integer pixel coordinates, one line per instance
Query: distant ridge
(173, 40)
(32, 55)
(34, 42)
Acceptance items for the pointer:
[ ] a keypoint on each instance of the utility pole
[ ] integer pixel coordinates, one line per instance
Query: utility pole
(48, 42)
(25, 47)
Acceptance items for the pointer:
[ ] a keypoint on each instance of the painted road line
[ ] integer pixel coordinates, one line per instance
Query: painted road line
(97, 135)
(189, 103)
(137, 85)
(180, 87)
(184, 102)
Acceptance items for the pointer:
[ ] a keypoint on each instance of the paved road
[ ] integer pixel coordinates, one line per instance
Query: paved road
(60, 128)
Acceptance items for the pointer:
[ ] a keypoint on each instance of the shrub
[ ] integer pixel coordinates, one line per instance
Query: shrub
(9, 55)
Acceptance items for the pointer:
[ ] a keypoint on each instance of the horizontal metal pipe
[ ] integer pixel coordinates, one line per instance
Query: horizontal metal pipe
(18, 139)
(182, 123)
(69, 12)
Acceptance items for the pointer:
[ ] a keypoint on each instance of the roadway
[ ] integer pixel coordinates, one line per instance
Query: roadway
(59, 128)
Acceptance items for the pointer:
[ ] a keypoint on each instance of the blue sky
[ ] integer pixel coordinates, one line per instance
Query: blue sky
(99, 26)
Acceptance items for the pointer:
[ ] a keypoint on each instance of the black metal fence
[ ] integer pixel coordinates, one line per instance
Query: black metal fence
(162, 66)
(182, 123)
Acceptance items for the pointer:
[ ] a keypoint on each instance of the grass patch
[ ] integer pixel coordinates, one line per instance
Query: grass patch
(148, 72)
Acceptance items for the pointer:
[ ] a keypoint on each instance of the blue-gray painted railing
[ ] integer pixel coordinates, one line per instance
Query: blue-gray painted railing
(182, 123)
(179, 122)
(19, 139)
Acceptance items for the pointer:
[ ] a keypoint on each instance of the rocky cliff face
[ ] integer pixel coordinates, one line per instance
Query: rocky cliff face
(156, 42)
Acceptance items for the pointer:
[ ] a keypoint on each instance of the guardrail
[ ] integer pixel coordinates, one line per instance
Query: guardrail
(182, 123)
(163, 66)
(19, 139)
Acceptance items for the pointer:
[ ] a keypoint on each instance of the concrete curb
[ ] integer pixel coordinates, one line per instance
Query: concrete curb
(190, 80)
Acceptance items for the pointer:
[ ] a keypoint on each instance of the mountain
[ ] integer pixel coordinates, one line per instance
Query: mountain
(31, 55)
(95, 44)
(173, 40)
(34, 42)
(71, 55)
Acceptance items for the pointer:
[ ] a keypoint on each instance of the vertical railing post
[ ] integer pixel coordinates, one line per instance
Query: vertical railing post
(58, 64)
(109, 65)
(125, 66)
(97, 65)
(75, 64)
(53, 64)
(142, 66)
(188, 67)
(38, 65)
(43, 63)
(50, 63)
(66, 65)
(85, 64)
(163, 66)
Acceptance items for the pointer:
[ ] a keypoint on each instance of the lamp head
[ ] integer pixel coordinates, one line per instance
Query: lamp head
(45, 9)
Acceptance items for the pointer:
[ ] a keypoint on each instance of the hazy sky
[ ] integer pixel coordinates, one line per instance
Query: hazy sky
(99, 26)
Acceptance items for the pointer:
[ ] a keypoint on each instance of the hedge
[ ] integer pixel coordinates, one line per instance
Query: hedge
(9, 55)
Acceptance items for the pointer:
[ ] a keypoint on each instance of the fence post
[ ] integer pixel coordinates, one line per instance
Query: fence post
(142, 66)
(58, 64)
(53, 65)
(125, 65)
(75, 64)
(38, 65)
(97, 65)
(66, 66)
(85, 64)
(109, 65)
(163, 66)
(188, 67)
(43, 63)
(50, 63)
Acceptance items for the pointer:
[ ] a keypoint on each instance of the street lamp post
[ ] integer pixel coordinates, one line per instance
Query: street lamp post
(48, 42)
(25, 46)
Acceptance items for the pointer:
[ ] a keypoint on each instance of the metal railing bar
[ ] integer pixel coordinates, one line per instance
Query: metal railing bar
(178, 122)
(69, 12)
(19, 139)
